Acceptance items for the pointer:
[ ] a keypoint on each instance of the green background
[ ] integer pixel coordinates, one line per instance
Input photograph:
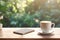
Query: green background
(29, 13)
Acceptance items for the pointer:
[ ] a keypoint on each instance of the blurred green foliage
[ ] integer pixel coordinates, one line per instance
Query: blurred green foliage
(28, 13)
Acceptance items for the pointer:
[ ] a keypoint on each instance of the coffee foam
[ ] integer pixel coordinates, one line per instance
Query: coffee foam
(45, 22)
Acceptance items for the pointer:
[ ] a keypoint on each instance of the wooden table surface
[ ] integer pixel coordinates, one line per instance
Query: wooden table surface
(7, 33)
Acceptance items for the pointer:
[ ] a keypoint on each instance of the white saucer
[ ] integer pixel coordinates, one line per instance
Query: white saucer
(50, 32)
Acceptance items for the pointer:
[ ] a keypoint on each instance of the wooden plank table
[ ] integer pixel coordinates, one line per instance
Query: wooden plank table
(7, 34)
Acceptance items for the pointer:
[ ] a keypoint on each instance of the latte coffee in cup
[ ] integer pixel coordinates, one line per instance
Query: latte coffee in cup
(46, 26)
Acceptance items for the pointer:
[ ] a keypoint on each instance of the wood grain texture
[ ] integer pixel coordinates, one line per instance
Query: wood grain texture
(7, 34)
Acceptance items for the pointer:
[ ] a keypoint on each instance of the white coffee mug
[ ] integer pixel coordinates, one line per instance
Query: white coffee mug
(46, 26)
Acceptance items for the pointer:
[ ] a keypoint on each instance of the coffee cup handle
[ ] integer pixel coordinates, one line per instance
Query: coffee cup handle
(53, 25)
